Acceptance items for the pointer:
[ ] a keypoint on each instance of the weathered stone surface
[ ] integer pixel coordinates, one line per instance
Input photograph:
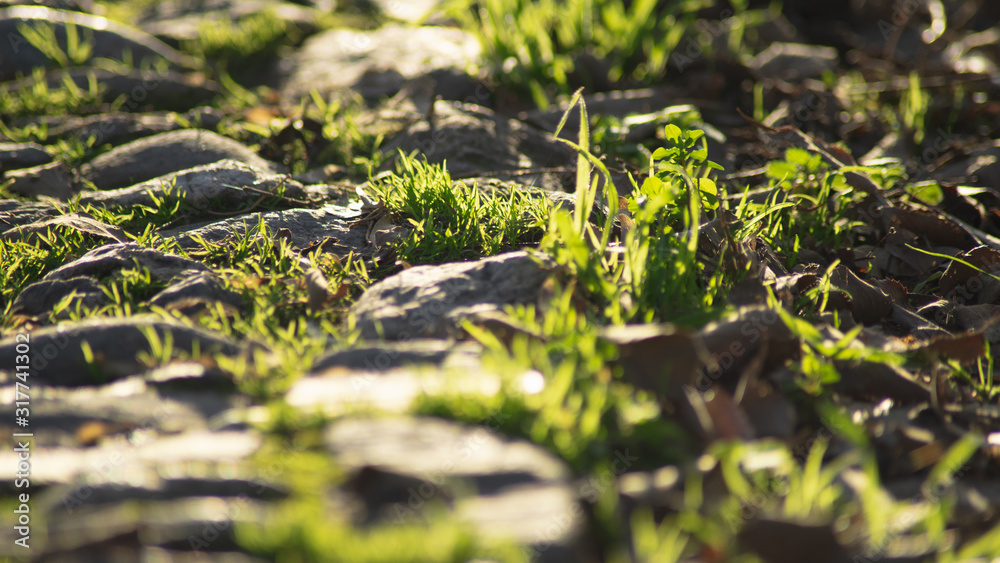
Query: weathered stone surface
(123, 461)
(475, 141)
(75, 221)
(337, 391)
(382, 356)
(510, 489)
(108, 39)
(54, 179)
(178, 397)
(376, 63)
(162, 154)
(40, 297)
(305, 227)
(119, 128)
(139, 90)
(58, 359)
(175, 22)
(197, 286)
(22, 155)
(14, 213)
(110, 258)
(226, 184)
(143, 531)
(429, 301)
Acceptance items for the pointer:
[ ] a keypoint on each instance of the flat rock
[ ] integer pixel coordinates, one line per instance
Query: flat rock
(156, 156)
(110, 258)
(15, 213)
(121, 127)
(305, 227)
(176, 22)
(198, 287)
(140, 90)
(382, 356)
(339, 391)
(42, 296)
(151, 404)
(475, 142)
(505, 488)
(226, 184)
(22, 155)
(78, 222)
(430, 301)
(108, 40)
(57, 356)
(376, 63)
(425, 446)
(54, 179)
(191, 283)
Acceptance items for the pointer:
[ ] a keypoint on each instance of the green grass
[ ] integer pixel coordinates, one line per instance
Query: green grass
(531, 46)
(644, 257)
(450, 221)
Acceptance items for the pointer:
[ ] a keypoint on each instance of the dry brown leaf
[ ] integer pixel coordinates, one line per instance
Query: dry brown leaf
(317, 288)
(657, 358)
(870, 381)
(934, 226)
(869, 304)
(968, 286)
(963, 347)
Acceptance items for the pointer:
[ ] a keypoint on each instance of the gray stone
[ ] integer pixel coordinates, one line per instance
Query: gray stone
(794, 61)
(227, 184)
(147, 497)
(110, 258)
(376, 63)
(197, 286)
(54, 179)
(127, 457)
(142, 531)
(40, 297)
(505, 488)
(339, 391)
(119, 128)
(138, 89)
(108, 40)
(305, 227)
(175, 398)
(75, 221)
(15, 213)
(176, 22)
(22, 155)
(476, 142)
(430, 301)
(152, 157)
(381, 356)
(116, 345)
(426, 447)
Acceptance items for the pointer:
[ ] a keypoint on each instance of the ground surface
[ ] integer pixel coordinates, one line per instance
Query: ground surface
(372, 281)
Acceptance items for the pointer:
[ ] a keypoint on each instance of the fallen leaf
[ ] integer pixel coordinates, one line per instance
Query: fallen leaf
(317, 288)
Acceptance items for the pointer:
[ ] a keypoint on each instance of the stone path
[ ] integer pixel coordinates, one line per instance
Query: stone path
(133, 463)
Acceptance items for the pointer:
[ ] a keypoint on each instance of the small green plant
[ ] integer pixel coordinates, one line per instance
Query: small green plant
(531, 44)
(913, 108)
(453, 221)
(43, 37)
(39, 98)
